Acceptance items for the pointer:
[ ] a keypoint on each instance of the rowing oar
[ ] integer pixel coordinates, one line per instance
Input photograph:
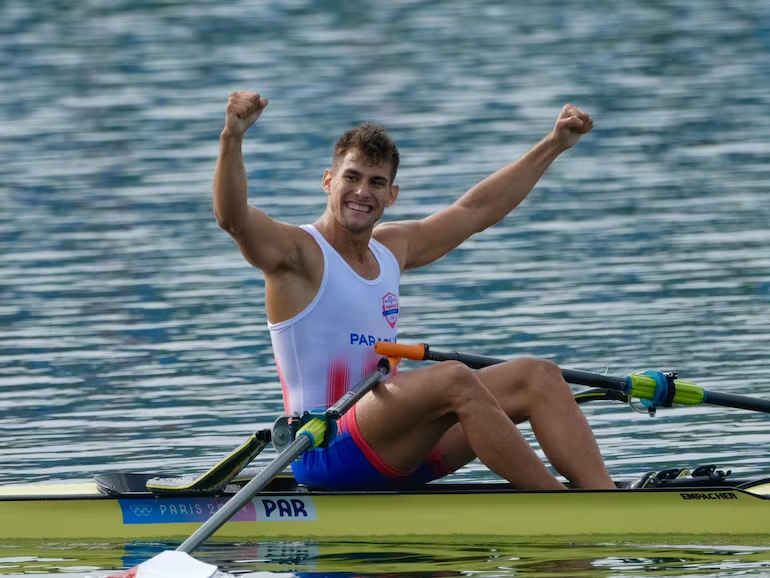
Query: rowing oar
(659, 388)
(311, 435)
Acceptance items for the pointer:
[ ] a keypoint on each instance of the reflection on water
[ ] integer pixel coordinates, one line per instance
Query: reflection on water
(542, 558)
(424, 557)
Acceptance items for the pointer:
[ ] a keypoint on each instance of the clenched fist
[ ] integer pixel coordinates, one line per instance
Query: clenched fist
(243, 109)
(571, 125)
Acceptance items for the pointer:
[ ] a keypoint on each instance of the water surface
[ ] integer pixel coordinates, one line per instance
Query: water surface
(132, 333)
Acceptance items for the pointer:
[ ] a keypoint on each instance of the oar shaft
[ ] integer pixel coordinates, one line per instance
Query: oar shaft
(578, 377)
(736, 401)
(301, 444)
(472, 361)
(640, 386)
(358, 391)
(574, 376)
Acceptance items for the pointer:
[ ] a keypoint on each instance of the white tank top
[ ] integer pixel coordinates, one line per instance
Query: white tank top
(327, 348)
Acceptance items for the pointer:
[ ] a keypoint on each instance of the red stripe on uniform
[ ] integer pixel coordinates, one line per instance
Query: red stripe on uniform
(337, 380)
(381, 466)
(284, 387)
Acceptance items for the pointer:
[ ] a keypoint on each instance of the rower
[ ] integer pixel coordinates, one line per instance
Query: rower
(332, 290)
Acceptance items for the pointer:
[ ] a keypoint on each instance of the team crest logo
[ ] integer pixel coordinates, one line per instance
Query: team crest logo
(390, 309)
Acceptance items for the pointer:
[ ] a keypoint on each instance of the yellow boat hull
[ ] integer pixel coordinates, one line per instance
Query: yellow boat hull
(80, 512)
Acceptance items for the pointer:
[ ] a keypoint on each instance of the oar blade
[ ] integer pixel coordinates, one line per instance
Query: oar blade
(169, 564)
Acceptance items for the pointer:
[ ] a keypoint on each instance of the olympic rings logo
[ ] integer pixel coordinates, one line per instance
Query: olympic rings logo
(144, 510)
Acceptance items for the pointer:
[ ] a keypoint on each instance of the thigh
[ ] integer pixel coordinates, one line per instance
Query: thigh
(404, 418)
(507, 383)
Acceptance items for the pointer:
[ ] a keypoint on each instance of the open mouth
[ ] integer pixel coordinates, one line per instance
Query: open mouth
(358, 207)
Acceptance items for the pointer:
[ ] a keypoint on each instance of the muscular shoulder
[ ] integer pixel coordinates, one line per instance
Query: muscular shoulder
(273, 246)
(394, 236)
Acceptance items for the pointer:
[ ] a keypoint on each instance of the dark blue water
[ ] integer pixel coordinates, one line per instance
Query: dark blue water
(132, 333)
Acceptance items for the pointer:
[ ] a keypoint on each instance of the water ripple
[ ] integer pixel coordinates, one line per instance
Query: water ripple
(132, 334)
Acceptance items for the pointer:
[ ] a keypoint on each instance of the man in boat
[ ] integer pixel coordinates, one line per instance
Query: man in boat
(332, 291)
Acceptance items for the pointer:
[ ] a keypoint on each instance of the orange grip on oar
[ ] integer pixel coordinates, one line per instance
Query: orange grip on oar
(394, 361)
(415, 352)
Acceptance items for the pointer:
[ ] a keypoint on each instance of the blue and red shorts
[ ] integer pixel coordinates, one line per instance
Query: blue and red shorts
(348, 462)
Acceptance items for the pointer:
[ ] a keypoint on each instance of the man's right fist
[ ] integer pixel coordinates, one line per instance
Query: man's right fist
(243, 109)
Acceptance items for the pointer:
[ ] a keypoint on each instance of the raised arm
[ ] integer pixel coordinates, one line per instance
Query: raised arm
(421, 242)
(264, 242)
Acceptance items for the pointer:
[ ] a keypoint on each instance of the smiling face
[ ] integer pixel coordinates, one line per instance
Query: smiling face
(359, 191)
(360, 182)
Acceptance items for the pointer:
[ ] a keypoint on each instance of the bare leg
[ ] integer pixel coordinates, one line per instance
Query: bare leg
(534, 390)
(404, 419)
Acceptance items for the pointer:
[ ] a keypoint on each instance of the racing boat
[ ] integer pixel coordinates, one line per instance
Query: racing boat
(239, 502)
(701, 501)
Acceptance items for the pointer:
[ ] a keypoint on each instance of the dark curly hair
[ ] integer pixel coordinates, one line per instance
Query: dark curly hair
(372, 141)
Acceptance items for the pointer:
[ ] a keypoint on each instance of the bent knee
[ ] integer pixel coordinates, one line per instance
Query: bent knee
(451, 372)
(544, 377)
(547, 370)
(460, 384)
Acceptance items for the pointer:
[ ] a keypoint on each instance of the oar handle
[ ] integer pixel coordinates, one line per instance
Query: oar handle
(422, 352)
(416, 352)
